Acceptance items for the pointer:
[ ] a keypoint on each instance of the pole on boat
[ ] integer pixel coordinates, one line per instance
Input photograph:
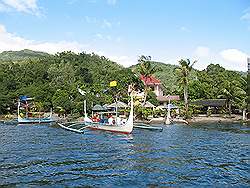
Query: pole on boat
(114, 84)
(18, 108)
(85, 110)
(84, 102)
(168, 114)
(116, 113)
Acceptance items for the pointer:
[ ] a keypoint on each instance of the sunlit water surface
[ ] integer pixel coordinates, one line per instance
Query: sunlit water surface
(180, 155)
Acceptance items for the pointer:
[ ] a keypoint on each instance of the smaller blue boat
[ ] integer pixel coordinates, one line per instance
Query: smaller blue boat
(28, 118)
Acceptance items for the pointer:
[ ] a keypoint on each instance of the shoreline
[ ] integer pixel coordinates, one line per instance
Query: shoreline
(214, 119)
(161, 120)
(199, 119)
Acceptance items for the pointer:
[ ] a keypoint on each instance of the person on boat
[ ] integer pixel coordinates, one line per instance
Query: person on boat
(96, 118)
(110, 120)
(123, 121)
(118, 120)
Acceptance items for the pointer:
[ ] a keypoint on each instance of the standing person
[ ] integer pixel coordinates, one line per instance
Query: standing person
(118, 120)
(110, 120)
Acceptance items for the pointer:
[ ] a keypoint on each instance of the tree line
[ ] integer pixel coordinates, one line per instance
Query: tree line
(53, 81)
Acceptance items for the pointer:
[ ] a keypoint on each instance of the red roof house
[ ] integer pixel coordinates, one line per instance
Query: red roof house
(156, 86)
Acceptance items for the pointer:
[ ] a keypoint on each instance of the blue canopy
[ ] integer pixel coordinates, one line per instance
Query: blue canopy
(171, 106)
(24, 98)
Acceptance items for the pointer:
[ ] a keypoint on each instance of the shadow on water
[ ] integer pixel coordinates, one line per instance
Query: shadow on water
(180, 155)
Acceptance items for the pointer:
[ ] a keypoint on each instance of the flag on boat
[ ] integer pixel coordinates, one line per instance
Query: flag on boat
(25, 98)
(81, 91)
(113, 83)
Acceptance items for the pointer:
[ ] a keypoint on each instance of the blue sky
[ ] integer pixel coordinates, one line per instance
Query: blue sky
(210, 31)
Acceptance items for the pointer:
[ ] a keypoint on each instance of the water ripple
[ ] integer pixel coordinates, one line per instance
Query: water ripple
(198, 155)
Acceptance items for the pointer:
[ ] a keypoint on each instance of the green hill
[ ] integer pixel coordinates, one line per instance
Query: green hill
(22, 55)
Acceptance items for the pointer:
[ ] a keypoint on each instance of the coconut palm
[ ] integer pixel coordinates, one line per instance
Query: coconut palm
(146, 69)
(183, 72)
(235, 95)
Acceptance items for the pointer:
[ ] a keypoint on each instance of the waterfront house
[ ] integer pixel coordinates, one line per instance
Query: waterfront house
(157, 87)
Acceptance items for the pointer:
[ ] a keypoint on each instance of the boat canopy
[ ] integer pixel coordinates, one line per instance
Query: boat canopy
(119, 104)
(98, 107)
(25, 98)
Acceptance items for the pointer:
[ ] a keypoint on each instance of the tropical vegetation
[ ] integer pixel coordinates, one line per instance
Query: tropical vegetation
(53, 81)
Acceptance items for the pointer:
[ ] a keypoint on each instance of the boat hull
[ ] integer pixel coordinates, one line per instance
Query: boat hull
(110, 128)
(127, 128)
(34, 120)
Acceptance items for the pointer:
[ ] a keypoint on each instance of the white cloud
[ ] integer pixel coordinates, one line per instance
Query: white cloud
(231, 59)
(246, 15)
(126, 61)
(9, 41)
(107, 37)
(26, 6)
(202, 51)
(234, 59)
(106, 24)
(234, 55)
(4, 8)
(99, 36)
(90, 19)
(185, 29)
(112, 2)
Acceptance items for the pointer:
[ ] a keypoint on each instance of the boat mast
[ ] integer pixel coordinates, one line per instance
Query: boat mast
(18, 106)
(116, 109)
(85, 110)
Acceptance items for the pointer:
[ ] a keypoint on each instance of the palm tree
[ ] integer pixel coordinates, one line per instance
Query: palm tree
(146, 69)
(183, 72)
(235, 94)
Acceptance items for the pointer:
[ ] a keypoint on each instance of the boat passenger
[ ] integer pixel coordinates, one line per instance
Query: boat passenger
(96, 118)
(118, 120)
(123, 122)
(110, 120)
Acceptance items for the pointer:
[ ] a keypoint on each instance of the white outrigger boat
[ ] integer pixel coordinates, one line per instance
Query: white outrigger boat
(125, 128)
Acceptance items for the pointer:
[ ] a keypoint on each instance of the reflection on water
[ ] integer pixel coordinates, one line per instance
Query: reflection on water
(46, 155)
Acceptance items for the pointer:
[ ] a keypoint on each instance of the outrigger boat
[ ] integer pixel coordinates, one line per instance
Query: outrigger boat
(125, 128)
(147, 127)
(23, 101)
(72, 127)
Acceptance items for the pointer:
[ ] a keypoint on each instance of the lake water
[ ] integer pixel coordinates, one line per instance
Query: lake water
(180, 155)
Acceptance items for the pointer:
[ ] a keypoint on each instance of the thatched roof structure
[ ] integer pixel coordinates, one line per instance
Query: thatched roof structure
(119, 105)
(98, 107)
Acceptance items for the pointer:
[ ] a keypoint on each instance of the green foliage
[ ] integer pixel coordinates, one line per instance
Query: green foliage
(53, 80)
(23, 55)
(146, 69)
(142, 113)
(183, 73)
(152, 98)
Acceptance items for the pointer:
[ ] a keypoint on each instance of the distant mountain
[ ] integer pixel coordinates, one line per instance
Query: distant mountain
(22, 55)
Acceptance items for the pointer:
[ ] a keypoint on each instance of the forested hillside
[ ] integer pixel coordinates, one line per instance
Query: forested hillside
(23, 55)
(53, 80)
